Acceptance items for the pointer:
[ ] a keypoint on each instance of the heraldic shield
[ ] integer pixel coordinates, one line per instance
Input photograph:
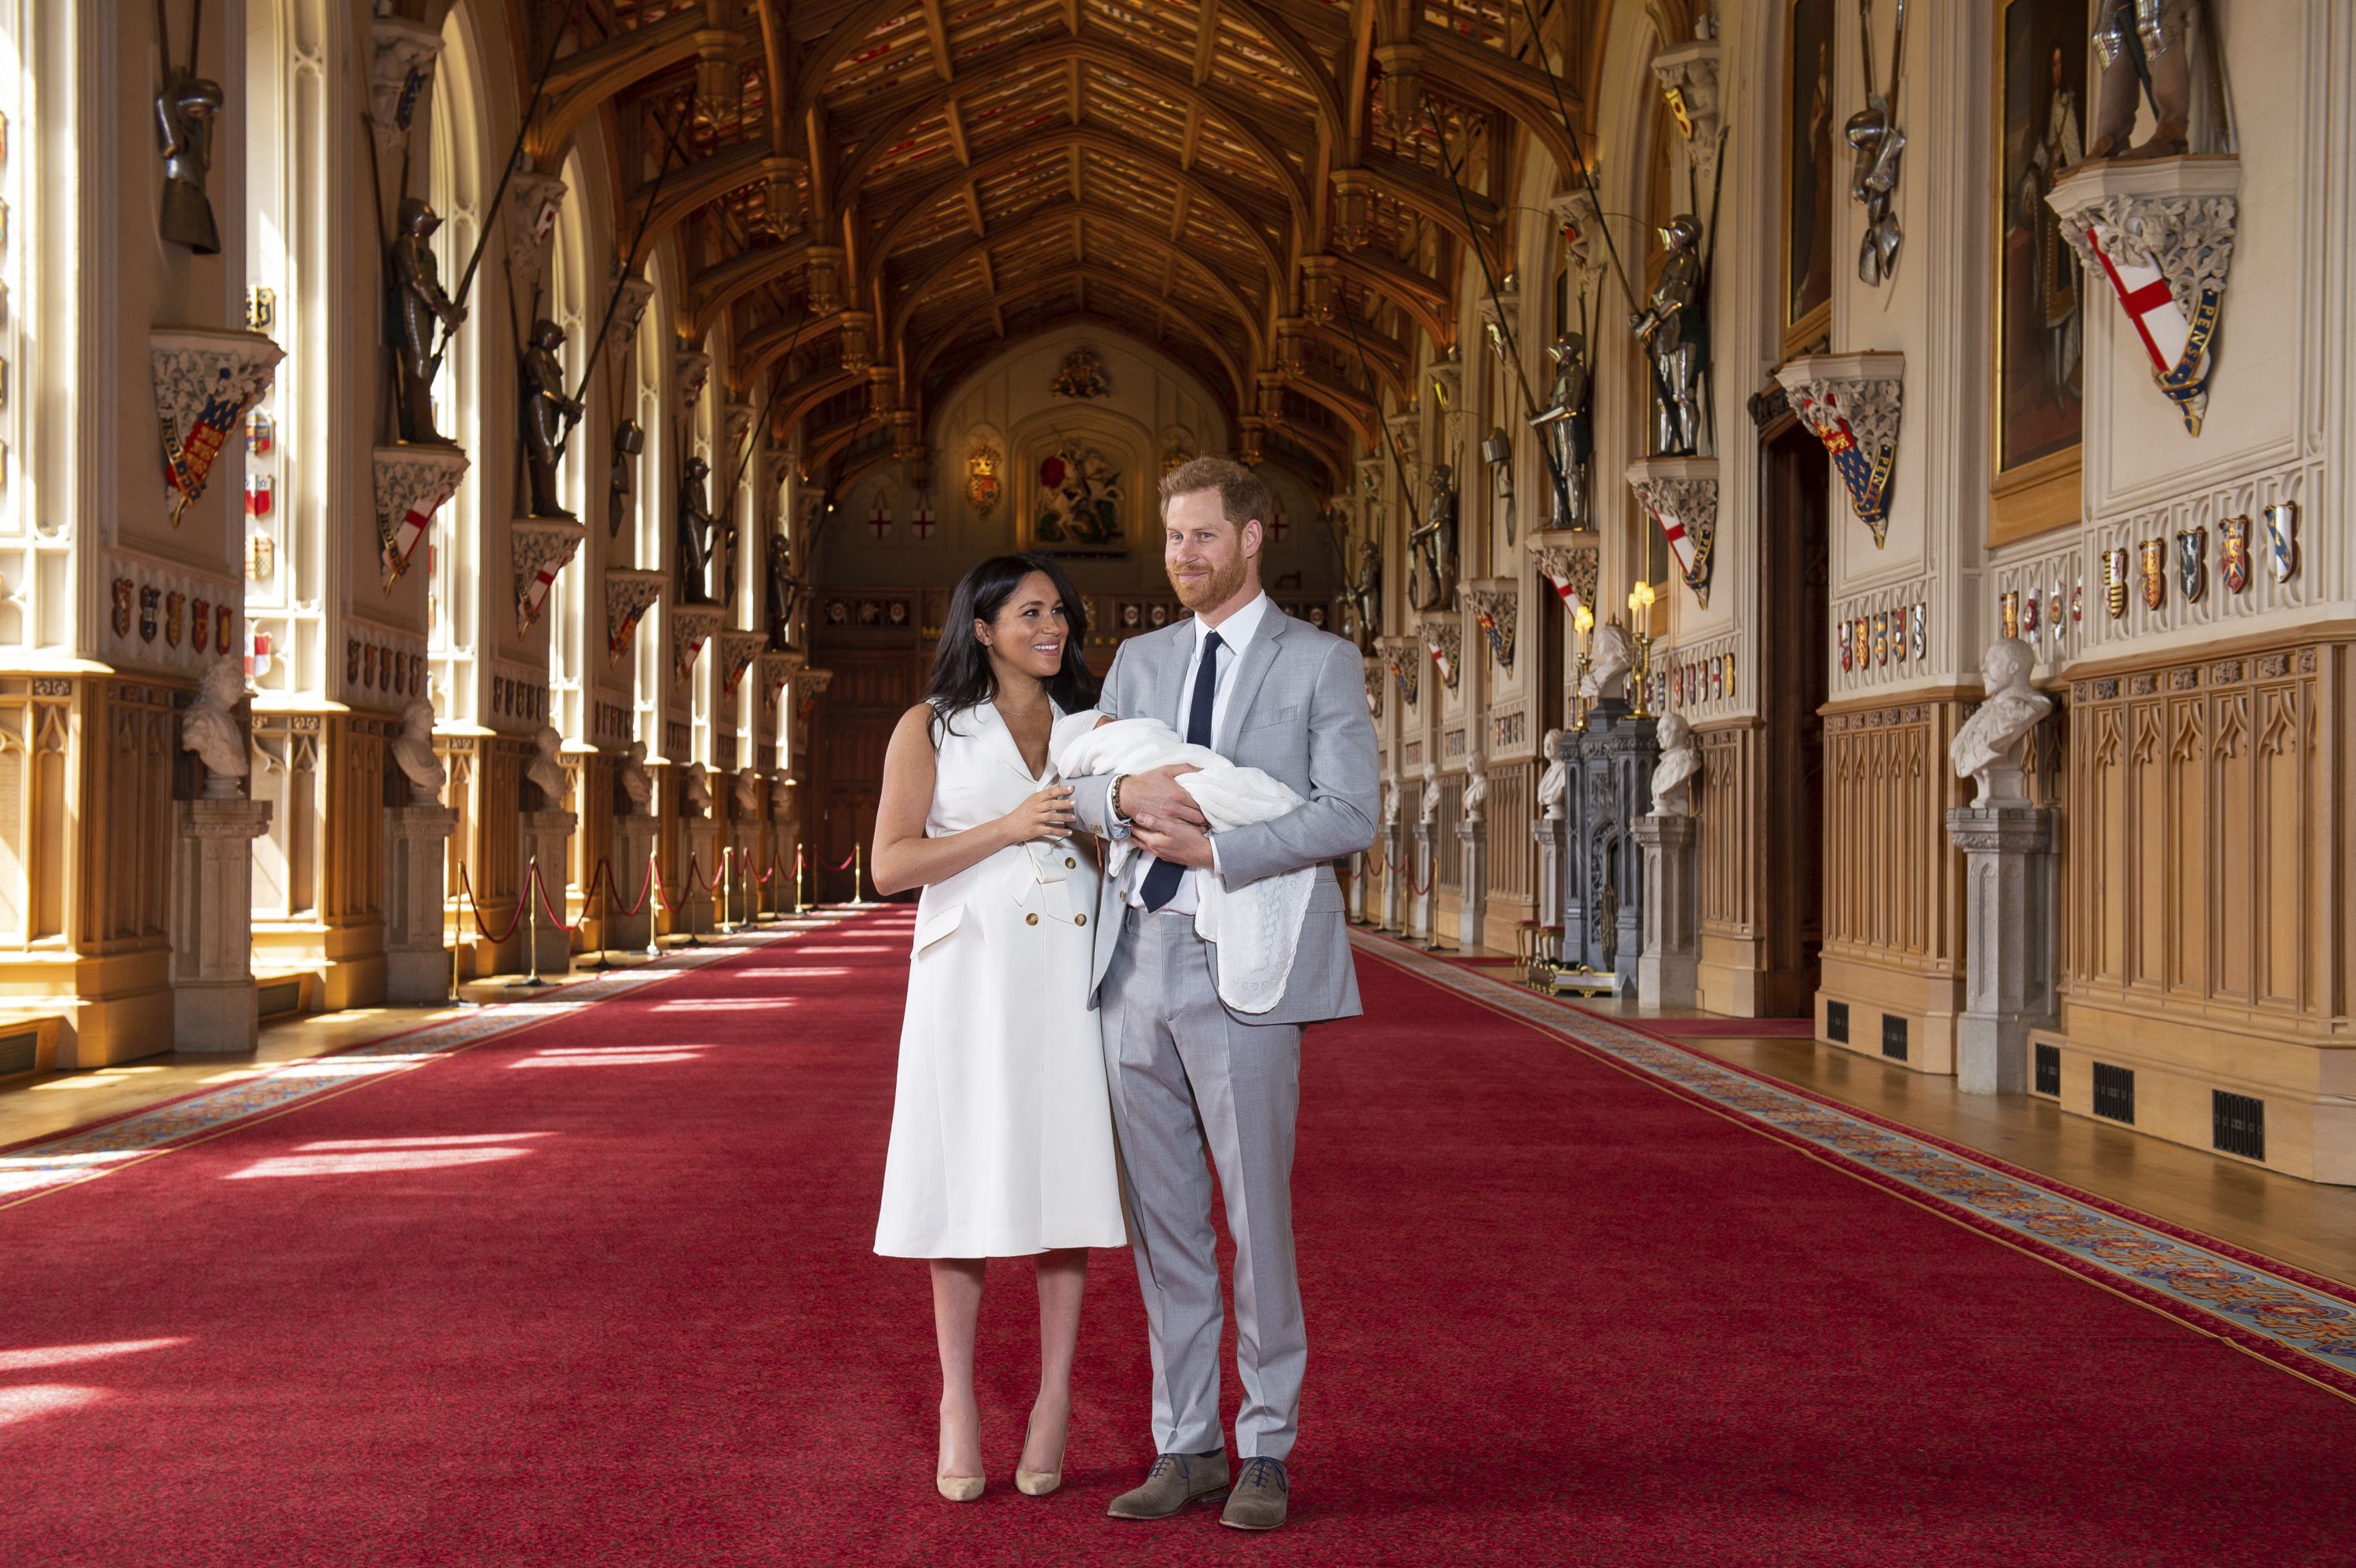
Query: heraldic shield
(2282, 540)
(2192, 563)
(2233, 553)
(2115, 581)
(2152, 557)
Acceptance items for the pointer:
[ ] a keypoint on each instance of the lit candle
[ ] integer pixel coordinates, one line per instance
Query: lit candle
(1584, 619)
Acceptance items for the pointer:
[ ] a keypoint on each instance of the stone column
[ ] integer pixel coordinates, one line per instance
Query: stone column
(213, 1003)
(1672, 918)
(1394, 870)
(1423, 908)
(1548, 831)
(545, 837)
(417, 961)
(634, 844)
(1471, 915)
(2009, 952)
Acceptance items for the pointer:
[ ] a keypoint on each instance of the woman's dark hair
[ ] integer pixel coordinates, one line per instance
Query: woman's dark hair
(961, 672)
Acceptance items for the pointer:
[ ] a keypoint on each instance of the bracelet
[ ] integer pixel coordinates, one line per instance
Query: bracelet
(1112, 797)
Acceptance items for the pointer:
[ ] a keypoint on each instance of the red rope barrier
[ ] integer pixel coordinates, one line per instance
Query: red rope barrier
(645, 891)
(475, 907)
(1407, 874)
(556, 919)
(847, 860)
(1375, 864)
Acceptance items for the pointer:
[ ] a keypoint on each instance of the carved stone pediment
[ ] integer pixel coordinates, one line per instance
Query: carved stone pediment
(533, 201)
(539, 548)
(1404, 657)
(629, 594)
(1687, 75)
(1569, 561)
(206, 382)
(692, 627)
(2165, 221)
(737, 651)
(411, 484)
(1854, 403)
(1681, 492)
(1495, 603)
(401, 73)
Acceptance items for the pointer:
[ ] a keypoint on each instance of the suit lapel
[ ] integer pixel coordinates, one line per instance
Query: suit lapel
(1164, 675)
(1258, 659)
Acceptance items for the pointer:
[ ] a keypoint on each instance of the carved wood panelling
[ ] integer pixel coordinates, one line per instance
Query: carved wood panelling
(1727, 846)
(1513, 853)
(36, 723)
(1893, 887)
(358, 759)
(1448, 849)
(126, 826)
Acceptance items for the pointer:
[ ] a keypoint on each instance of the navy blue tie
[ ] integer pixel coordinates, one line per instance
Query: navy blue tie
(1162, 877)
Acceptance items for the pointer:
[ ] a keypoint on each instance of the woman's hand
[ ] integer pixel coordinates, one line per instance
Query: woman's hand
(1045, 815)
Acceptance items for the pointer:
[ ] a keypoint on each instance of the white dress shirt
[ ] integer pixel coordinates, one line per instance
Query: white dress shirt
(1236, 634)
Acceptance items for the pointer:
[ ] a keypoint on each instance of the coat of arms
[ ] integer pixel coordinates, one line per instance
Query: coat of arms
(2282, 540)
(224, 629)
(200, 624)
(2114, 582)
(2233, 553)
(1881, 638)
(982, 480)
(2153, 557)
(2029, 615)
(2192, 563)
(1861, 634)
(150, 600)
(123, 606)
(2008, 614)
(1841, 637)
(1918, 631)
(1083, 375)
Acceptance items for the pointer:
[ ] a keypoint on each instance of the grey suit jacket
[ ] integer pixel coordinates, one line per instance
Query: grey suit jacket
(1297, 713)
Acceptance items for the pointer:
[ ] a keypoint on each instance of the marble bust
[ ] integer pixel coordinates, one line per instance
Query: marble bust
(1477, 795)
(1554, 784)
(413, 755)
(210, 729)
(545, 771)
(748, 795)
(694, 791)
(1987, 750)
(637, 789)
(1611, 657)
(1680, 764)
(1430, 813)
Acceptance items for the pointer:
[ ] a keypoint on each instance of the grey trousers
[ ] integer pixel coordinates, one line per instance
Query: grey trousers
(1186, 1077)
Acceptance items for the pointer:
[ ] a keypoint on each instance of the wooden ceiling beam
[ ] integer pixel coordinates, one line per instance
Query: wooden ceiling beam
(936, 33)
(1206, 40)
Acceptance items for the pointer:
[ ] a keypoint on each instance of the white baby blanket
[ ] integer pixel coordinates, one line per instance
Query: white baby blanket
(1257, 927)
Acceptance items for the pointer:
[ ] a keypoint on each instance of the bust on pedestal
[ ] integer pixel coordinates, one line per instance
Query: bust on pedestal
(1395, 868)
(2006, 844)
(1472, 833)
(631, 921)
(214, 1005)
(416, 964)
(547, 835)
(1666, 974)
(1425, 894)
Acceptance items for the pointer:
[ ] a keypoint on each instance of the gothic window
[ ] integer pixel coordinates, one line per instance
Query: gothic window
(703, 683)
(648, 368)
(456, 166)
(569, 306)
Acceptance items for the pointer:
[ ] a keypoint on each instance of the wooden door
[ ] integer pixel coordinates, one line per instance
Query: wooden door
(1795, 611)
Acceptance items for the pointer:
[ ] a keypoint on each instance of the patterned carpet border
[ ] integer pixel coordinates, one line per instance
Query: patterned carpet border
(2298, 1321)
(58, 1160)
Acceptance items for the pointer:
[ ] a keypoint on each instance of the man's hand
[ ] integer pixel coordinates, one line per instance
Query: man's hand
(1166, 839)
(1159, 795)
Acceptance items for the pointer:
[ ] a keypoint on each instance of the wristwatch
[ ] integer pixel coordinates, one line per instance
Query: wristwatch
(1119, 822)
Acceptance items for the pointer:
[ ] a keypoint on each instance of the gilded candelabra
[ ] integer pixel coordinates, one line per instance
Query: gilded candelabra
(1583, 619)
(1640, 640)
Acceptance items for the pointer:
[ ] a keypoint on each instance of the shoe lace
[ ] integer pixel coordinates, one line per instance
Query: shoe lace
(1162, 1466)
(1258, 1472)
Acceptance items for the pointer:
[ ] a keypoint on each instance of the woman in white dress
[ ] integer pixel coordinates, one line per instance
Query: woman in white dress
(1001, 1133)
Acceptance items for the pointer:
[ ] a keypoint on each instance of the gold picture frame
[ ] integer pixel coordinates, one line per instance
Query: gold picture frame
(1807, 322)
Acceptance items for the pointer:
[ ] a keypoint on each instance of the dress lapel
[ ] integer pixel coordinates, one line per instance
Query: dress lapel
(1001, 740)
(1259, 658)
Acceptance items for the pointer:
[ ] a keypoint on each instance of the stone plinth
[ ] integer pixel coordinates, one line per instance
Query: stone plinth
(629, 929)
(1472, 833)
(1395, 872)
(1548, 831)
(1672, 914)
(416, 962)
(213, 1003)
(2008, 943)
(546, 835)
(1423, 900)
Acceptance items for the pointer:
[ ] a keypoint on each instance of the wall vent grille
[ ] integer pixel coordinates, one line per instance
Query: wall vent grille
(2115, 1093)
(2237, 1124)
(1893, 1037)
(1836, 1022)
(2049, 1070)
(20, 1052)
(278, 999)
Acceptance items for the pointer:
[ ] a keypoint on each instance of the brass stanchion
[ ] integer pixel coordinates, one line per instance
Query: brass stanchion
(456, 999)
(531, 981)
(801, 861)
(605, 926)
(654, 878)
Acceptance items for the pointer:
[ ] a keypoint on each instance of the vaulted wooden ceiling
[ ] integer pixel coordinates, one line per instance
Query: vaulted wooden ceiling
(879, 195)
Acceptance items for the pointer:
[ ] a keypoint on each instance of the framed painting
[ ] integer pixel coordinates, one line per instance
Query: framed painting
(1079, 496)
(2041, 295)
(1810, 176)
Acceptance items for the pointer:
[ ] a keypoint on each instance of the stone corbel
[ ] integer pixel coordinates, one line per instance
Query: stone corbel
(1405, 438)
(1495, 604)
(1689, 78)
(1374, 669)
(737, 651)
(1318, 300)
(1352, 209)
(692, 627)
(533, 201)
(538, 548)
(825, 279)
(411, 484)
(693, 366)
(736, 423)
(813, 683)
(630, 309)
(400, 71)
(1498, 315)
(858, 339)
(1681, 492)
(206, 382)
(1569, 561)
(1291, 346)
(629, 594)
(1853, 402)
(1404, 657)
(2159, 233)
(777, 670)
(719, 86)
(1581, 223)
(1444, 639)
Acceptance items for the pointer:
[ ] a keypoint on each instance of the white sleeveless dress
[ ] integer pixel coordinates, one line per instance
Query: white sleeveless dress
(1001, 1133)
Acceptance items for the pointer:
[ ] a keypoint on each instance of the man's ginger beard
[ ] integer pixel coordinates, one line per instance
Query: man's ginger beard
(1216, 589)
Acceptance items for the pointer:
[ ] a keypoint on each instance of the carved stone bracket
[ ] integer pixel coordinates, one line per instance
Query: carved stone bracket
(693, 369)
(1495, 604)
(629, 594)
(1688, 78)
(692, 627)
(539, 547)
(1443, 638)
(533, 201)
(630, 310)
(1569, 561)
(1854, 403)
(206, 381)
(412, 483)
(1374, 672)
(736, 422)
(813, 683)
(400, 71)
(1581, 223)
(1681, 492)
(1404, 657)
(776, 669)
(737, 651)
(2165, 221)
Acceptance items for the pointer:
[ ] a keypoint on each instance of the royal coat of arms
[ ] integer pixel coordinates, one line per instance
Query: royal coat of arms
(982, 487)
(176, 608)
(2029, 615)
(2008, 614)
(2152, 555)
(2233, 553)
(1841, 637)
(1881, 638)
(123, 589)
(1083, 375)
(2115, 581)
(2192, 563)
(1080, 499)
(2282, 540)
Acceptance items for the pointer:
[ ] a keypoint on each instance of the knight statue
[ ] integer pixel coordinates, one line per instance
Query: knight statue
(1676, 331)
(1432, 545)
(695, 534)
(549, 414)
(419, 310)
(2143, 48)
(185, 111)
(1567, 424)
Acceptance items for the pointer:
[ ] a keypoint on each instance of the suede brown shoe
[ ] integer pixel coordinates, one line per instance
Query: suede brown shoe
(1259, 1496)
(1175, 1480)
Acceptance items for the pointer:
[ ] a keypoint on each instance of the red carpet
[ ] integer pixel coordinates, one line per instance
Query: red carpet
(1555, 1314)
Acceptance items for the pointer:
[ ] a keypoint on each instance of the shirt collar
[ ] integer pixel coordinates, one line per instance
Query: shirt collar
(1238, 630)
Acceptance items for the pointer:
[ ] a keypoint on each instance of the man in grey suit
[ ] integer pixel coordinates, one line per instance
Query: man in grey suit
(1187, 1073)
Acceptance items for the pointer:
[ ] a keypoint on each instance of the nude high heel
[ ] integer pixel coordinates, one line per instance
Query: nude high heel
(960, 1488)
(1036, 1483)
